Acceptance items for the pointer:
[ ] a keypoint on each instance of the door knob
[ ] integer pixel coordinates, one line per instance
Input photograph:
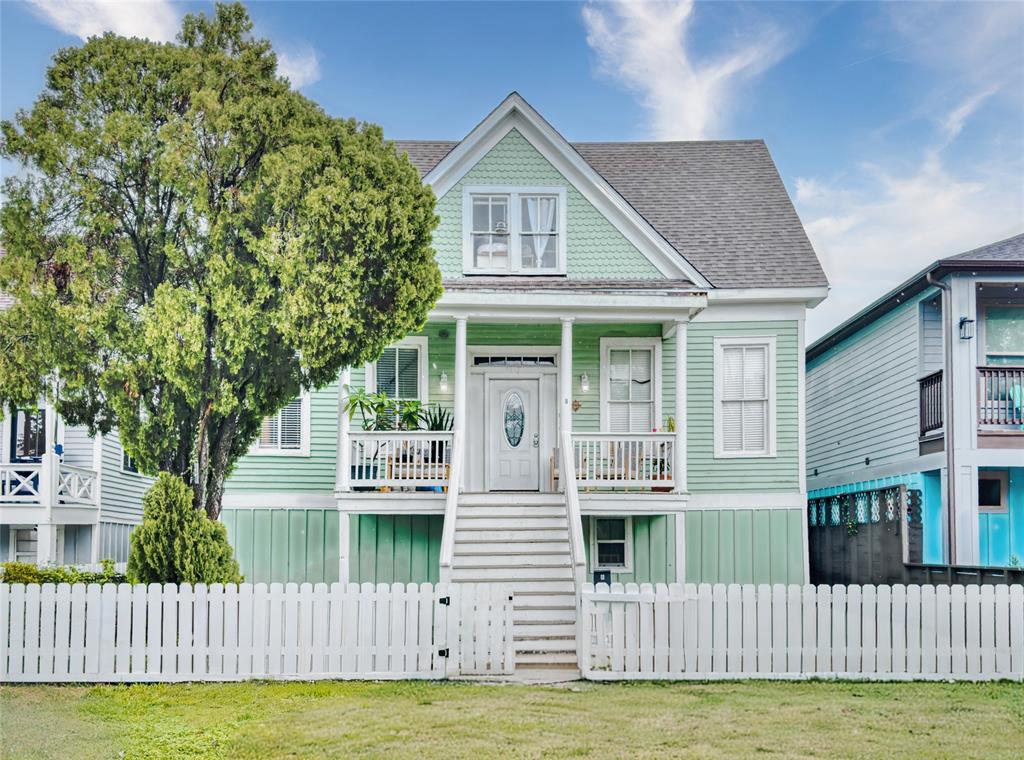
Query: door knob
(536, 440)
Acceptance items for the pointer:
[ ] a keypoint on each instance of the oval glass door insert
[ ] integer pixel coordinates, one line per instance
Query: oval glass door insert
(515, 417)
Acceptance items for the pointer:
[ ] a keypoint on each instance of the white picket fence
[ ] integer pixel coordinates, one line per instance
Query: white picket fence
(124, 633)
(856, 632)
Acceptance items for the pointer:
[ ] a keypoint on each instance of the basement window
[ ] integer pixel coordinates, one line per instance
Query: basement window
(611, 543)
(993, 491)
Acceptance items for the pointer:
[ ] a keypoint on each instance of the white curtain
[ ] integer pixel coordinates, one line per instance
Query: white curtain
(541, 214)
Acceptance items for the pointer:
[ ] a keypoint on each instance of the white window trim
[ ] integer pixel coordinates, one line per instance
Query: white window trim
(607, 344)
(303, 450)
(421, 342)
(628, 566)
(982, 330)
(515, 212)
(1003, 476)
(124, 453)
(754, 340)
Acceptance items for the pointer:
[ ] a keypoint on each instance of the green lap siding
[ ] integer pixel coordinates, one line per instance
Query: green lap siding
(285, 545)
(745, 546)
(705, 473)
(654, 550)
(395, 548)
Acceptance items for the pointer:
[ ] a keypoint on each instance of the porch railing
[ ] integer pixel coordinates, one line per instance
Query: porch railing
(930, 399)
(621, 460)
(1001, 395)
(39, 483)
(402, 458)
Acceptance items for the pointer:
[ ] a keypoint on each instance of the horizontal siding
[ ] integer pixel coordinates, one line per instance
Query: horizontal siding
(395, 548)
(705, 473)
(745, 546)
(862, 397)
(654, 550)
(594, 247)
(78, 446)
(285, 545)
(120, 492)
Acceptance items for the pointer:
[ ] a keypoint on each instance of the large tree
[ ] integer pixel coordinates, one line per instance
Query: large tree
(191, 243)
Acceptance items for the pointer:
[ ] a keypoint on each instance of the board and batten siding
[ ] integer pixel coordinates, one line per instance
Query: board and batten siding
(594, 247)
(395, 548)
(862, 396)
(707, 474)
(654, 550)
(120, 492)
(285, 545)
(745, 546)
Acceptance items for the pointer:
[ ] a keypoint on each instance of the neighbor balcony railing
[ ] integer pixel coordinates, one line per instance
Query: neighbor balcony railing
(1001, 395)
(623, 460)
(930, 397)
(47, 483)
(416, 458)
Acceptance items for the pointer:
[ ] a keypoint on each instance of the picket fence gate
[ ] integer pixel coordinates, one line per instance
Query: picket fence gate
(709, 632)
(125, 633)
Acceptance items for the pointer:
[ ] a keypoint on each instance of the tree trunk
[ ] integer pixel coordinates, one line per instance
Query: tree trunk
(219, 443)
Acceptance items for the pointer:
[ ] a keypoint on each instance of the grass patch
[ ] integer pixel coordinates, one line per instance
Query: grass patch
(456, 720)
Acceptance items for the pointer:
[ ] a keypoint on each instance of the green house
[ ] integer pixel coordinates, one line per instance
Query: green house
(620, 346)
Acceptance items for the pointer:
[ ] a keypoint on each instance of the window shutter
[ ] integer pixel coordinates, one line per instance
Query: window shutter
(291, 425)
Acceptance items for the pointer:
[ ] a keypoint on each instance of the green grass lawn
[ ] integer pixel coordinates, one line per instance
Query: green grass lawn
(453, 720)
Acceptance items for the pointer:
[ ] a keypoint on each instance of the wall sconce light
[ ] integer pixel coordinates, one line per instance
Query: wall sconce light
(442, 384)
(584, 383)
(966, 328)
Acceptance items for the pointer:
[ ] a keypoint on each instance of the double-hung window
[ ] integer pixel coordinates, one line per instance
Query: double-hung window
(287, 432)
(611, 543)
(631, 387)
(401, 371)
(514, 230)
(745, 397)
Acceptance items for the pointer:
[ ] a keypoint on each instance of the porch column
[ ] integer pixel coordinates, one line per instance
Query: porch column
(46, 544)
(679, 462)
(343, 477)
(459, 421)
(565, 380)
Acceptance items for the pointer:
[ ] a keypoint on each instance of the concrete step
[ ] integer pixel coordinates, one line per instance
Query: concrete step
(511, 511)
(543, 614)
(545, 587)
(512, 575)
(476, 533)
(469, 522)
(530, 631)
(510, 497)
(505, 559)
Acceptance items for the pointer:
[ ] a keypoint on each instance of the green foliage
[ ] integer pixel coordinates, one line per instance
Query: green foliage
(23, 572)
(381, 412)
(437, 418)
(193, 243)
(176, 543)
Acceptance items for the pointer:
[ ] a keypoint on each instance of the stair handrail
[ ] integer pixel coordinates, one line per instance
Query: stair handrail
(450, 507)
(572, 508)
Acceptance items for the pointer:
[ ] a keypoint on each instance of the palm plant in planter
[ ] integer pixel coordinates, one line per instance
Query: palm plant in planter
(379, 412)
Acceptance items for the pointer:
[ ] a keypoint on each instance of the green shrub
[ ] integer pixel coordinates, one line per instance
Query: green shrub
(24, 572)
(176, 543)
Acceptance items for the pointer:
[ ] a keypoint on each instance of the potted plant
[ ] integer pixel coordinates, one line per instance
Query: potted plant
(436, 418)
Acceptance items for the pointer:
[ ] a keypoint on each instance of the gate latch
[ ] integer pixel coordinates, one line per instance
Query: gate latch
(442, 652)
(445, 600)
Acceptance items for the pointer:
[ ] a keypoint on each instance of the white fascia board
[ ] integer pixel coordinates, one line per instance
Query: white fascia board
(811, 296)
(554, 306)
(514, 112)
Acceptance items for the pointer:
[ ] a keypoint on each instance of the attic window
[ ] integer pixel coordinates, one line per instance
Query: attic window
(514, 230)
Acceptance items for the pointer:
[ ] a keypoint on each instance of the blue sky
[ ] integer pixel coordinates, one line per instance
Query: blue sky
(897, 128)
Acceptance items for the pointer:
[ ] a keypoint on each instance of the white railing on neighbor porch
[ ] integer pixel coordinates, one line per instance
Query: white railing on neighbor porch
(614, 460)
(47, 483)
(451, 508)
(401, 458)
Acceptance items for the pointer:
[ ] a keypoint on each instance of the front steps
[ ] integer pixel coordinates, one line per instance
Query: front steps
(523, 540)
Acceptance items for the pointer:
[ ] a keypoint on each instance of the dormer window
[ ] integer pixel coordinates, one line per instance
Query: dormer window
(514, 230)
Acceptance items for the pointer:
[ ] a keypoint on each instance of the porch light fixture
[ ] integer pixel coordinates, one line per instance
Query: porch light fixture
(966, 328)
(442, 384)
(584, 383)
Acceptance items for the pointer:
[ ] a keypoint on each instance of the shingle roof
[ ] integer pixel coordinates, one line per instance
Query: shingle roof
(721, 205)
(1009, 251)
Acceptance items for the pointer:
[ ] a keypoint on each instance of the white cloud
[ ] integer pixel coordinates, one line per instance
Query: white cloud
(154, 19)
(301, 67)
(896, 223)
(647, 47)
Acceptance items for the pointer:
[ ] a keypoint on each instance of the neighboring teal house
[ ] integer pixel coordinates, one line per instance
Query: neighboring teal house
(926, 381)
(620, 345)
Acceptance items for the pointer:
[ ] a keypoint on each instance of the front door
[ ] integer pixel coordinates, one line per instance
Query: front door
(513, 435)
